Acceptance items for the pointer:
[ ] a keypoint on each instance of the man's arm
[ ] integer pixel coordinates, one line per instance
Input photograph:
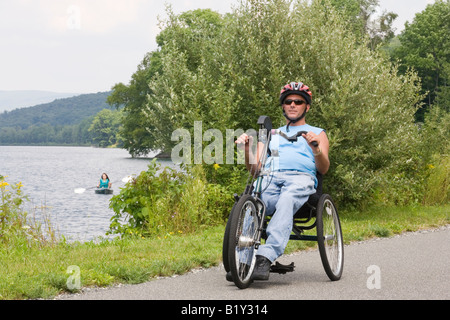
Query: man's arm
(252, 162)
(321, 152)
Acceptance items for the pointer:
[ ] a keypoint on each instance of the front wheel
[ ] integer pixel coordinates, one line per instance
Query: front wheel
(329, 238)
(226, 240)
(243, 241)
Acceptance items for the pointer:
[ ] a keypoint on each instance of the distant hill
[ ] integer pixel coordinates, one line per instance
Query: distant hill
(10, 100)
(61, 112)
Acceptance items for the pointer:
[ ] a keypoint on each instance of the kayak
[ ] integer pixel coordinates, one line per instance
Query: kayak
(104, 191)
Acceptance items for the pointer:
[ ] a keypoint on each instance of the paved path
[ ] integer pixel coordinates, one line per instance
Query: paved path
(410, 266)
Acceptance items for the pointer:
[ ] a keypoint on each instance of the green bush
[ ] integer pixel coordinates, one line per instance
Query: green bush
(437, 187)
(436, 152)
(166, 202)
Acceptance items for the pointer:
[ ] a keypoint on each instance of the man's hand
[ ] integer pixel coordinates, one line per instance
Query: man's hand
(244, 141)
(310, 138)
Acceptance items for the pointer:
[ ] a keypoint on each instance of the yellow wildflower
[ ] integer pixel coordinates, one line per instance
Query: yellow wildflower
(216, 166)
(4, 184)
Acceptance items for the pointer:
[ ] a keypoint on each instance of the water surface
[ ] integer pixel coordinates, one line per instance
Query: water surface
(51, 174)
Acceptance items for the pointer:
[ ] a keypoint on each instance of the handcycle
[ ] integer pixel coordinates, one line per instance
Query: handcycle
(247, 223)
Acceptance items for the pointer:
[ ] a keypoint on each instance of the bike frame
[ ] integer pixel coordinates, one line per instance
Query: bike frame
(264, 137)
(238, 260)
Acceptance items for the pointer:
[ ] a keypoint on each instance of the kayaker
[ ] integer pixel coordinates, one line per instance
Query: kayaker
(104, 183)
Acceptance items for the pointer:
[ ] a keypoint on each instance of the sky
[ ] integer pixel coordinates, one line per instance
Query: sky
(87, 46)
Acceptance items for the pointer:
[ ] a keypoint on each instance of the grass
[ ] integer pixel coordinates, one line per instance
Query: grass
(42, 272)
(385, 222)
(31, 273)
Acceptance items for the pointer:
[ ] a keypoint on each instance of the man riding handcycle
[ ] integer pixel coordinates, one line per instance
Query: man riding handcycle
(286, 175)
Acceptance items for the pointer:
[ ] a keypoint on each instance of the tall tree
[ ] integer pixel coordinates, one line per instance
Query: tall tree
(105, 128)
(187, 30)
(359, 15)
(136, 134)
(425, 46)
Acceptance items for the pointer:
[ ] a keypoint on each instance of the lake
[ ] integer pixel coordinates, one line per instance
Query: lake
(51, 174)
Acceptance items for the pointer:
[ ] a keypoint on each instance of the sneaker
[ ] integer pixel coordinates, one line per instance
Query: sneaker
(262, 269)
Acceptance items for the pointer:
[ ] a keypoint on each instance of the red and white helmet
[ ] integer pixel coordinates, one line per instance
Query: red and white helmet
(296, 88)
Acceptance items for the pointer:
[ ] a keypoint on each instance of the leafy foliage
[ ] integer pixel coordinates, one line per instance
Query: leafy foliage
(137, 136)
(424, 46)
(105, 128)
(367, 110)
(163, 202)
(226, 71)
(16, 227)
(187, 30)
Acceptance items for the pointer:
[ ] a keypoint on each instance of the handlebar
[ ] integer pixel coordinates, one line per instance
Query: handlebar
(294, 138)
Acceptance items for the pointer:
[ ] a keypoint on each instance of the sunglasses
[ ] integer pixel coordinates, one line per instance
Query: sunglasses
(297, 102)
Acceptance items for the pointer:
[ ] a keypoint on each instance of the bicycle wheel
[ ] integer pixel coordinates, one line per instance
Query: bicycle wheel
(226, 240)
(242, 243)
(329, 238)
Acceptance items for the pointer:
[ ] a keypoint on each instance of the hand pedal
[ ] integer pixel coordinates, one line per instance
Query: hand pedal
(282, 269)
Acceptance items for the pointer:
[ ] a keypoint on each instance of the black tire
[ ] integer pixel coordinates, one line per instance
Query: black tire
(226, 240)
(243, 241)
(329, 238)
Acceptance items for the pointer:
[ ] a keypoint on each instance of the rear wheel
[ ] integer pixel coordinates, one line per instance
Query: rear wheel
(329, 238)
(243, 240)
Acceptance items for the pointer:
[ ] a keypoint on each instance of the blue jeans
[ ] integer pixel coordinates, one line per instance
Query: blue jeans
(287, 192)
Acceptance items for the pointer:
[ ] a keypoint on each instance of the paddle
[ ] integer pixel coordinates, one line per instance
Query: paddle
(83, 190)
